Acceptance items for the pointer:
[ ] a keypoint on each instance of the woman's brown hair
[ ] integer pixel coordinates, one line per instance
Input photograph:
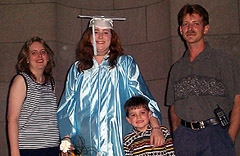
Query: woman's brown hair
(85, 51)
(23, 65)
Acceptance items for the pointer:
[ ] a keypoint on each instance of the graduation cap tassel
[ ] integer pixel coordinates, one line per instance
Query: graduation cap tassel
(94, 41)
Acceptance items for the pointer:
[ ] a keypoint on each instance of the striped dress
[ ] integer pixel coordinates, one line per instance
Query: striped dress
(37, 127)
(138, 144)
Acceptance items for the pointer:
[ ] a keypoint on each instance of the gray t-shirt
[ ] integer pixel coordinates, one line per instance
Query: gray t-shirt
(196, 88)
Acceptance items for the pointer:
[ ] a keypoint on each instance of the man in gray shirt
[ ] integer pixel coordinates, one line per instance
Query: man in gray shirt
(203, 81)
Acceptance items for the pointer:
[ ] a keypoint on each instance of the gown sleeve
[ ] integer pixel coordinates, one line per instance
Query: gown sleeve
(65, 113)
(137, 86)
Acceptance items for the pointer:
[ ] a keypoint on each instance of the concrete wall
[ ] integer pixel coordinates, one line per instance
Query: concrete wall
(149, 34)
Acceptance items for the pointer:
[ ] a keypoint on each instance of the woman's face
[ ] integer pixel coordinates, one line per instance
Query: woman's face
(103, 40)
(38, 57)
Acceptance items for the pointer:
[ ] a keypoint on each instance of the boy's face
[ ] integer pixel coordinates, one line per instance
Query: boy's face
(139, 117)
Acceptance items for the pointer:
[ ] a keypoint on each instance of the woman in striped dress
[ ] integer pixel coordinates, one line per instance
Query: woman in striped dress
(32, 104)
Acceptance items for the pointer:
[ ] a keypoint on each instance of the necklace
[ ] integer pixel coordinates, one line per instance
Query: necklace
(41, 81)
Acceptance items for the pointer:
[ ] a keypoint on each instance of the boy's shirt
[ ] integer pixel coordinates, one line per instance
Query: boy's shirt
(138, 143)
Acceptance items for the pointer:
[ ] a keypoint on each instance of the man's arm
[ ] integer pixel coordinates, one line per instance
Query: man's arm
(176, 121)
(235, 119)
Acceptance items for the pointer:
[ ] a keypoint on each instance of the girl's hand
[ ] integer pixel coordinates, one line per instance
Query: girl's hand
(157, 138)
(66, 147)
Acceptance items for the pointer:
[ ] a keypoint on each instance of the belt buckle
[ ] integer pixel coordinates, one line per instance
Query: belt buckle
(191, 123)
(202, 124)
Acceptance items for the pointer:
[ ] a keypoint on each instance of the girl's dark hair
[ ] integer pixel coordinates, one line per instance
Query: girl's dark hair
(85, 50)
(23, 65)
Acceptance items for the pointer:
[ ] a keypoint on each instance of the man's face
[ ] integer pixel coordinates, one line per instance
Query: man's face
(192, 28)
(139, 117)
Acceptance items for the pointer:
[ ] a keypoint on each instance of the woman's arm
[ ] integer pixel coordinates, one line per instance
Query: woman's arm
(16, 97)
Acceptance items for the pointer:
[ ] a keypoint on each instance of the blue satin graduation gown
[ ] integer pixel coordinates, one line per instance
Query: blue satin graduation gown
(92, 105)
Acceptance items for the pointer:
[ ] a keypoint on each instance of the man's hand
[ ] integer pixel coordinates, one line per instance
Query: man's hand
(235, 119)
(176, 121)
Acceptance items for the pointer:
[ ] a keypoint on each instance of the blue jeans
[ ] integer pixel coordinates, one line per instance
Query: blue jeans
(52, 151)
(211, 141)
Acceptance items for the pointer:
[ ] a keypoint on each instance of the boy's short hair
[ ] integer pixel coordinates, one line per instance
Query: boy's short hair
(135, 102)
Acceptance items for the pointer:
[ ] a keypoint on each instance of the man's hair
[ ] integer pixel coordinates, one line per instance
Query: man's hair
(23, 65)
(193, 9)
(85, 50)
(135, 102)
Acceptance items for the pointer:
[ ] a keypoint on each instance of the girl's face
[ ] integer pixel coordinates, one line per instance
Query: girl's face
(103, 40)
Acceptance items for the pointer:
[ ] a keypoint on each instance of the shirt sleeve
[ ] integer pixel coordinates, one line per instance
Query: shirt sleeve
(67, 103)
(137, 86)
(230, 73)
(170, 91)
(169, 141)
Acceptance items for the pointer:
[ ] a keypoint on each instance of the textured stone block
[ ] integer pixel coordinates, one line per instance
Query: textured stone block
(40, 1)
(154, 59)
(88, 4)
(8, 60)
(3, 100)
(23, 21)
(123, 4)
(14, 1)
(158, 21)
(3, 138)
(66, 56)
(68, 25)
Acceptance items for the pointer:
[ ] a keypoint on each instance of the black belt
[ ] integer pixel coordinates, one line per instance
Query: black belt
(196, 125)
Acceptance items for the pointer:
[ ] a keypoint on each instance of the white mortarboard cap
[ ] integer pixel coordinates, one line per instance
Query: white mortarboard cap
(103, 22)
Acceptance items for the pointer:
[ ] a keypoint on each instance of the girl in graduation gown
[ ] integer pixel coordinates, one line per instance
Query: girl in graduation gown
(91, 112)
